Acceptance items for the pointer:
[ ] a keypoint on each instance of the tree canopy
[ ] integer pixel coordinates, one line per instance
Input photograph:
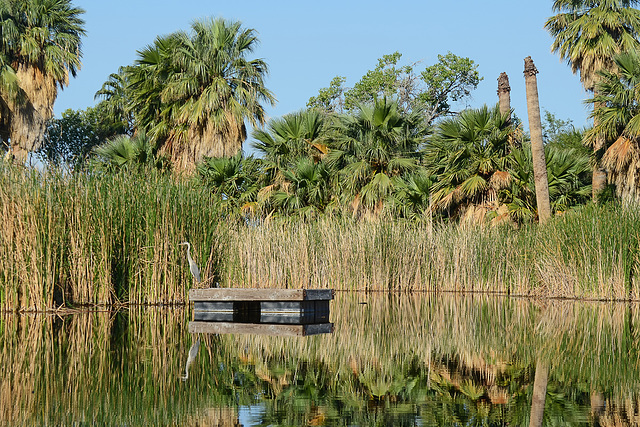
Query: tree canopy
(431, 91)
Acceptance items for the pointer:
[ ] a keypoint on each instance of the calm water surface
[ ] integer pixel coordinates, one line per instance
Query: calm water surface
(393, 360)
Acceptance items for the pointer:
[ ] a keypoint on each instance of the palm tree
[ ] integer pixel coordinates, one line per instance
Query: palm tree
(283, 145)
(373, 150)
(234, 180)
(588, 34)
(537, 146)
(568, 174)
(288, 139)
(193, 92)
(116, 101)
(40, 47)
(306, 190)
(468, 156)
(414, 196)
(618, 119)
(127, 153)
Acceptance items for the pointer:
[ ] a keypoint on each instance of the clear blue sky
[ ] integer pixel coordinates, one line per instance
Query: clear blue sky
(306, 44)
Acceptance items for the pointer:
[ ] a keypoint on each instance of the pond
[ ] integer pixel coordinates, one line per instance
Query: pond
(392, 360)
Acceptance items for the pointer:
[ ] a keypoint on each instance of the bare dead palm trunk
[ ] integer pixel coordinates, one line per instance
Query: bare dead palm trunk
(537, 146)
(504, 95)
(597, 403)
(539, 394)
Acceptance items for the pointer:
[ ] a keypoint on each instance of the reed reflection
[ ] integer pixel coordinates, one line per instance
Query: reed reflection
(399, 360)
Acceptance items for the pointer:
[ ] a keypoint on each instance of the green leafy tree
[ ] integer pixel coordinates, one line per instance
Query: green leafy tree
(588, 34)
(330, 99)
(40, 48)
(386, 80)
(70, 139)
(451, 79)
(192, 92)
(431, 91)
(563, 134)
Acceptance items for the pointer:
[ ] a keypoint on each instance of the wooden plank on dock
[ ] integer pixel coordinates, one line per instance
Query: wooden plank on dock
(246, 294)
(259, 329)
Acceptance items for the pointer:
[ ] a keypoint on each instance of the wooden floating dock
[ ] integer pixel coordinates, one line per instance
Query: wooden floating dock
(290, 312)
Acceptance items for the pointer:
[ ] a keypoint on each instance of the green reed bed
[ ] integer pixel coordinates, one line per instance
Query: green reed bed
(112, 238)
(101, 239)
(365, 255)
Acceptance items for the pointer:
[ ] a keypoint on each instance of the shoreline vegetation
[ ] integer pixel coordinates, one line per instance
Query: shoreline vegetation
(381, 186)
(111, 239)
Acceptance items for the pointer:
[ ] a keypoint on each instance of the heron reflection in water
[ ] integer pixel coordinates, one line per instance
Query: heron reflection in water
(193, 267)
(193, 352)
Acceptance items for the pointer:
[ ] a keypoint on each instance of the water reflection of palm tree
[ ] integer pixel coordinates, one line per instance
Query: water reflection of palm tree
(539, 394)
(193, 352)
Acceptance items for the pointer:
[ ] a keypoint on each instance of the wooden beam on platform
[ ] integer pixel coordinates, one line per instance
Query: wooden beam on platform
(242, 294)
(259, 328)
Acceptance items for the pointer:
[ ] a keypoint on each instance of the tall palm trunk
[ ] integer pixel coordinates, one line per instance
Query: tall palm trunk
(599, 178)
(504, 94)
(539, 394)
(537, 146)
(30, 111)
(203, 142)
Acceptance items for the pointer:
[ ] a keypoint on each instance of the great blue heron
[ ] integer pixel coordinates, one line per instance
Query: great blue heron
(193, 267)
(193, 352)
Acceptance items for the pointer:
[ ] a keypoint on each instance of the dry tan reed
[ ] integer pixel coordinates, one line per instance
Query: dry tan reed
(592, 253)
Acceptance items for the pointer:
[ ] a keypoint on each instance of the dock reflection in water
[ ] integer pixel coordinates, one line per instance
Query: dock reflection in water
(416, 359)
(284, 312)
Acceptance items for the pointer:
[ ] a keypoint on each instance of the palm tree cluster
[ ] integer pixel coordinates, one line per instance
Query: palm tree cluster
(617, 121)
(588, 34)
(189, 98)
(191, 92)
(380, 161)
